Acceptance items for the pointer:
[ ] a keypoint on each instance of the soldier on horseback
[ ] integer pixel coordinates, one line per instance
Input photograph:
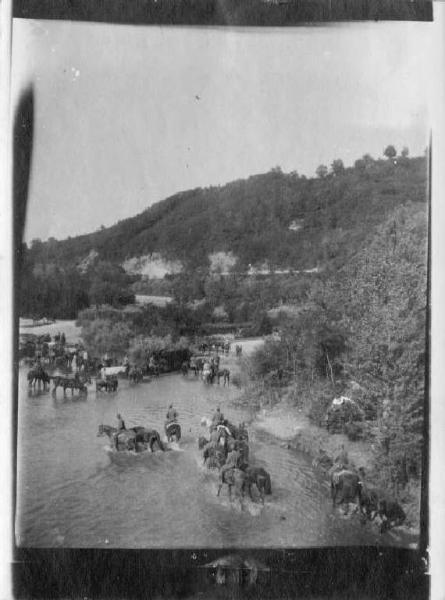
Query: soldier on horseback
(218, 418)
(120, 427)
(232, 462)
(172, 415)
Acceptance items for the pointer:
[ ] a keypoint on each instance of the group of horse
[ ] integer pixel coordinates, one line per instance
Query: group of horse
(79, 380)
(207, 369)
(215, 346)
(242, 476)
(349, 487)
(38, 376)
(140, 438)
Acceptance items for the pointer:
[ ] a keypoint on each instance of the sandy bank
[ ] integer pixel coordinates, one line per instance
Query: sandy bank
(296, 431)
(292, 426)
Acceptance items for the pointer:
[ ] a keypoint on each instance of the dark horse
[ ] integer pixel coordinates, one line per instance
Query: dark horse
(38, 375)
(126, 437)
(135, 375)
(233, 478)
(130, 438)
(345, 488)
(109, 384)
(261, 478)
(148, 437)
(225, 373)
(213, 455)
(75, 383)
(173, 431)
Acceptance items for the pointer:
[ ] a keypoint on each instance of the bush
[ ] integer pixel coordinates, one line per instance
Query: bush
(354, 431)
(319, 399)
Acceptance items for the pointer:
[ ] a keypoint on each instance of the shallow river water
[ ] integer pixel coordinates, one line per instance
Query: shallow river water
(72, 491)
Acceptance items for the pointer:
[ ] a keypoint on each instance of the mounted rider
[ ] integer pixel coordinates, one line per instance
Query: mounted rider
(120, 426)
(172, 415)
(217, 418)
(232, 462)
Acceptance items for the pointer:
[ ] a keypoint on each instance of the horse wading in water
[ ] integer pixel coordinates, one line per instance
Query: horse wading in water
(73, 383)
(38, 375)
(233, 478)
(132, 438)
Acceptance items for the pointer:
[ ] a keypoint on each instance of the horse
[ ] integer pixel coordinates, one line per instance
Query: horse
(126, 437)
(72, 383)
(261, 478)
(346, 485)
(233, 477)
(132, 437)
(214, 456)
(38, 375)
(225, 373)
(148, 437)
(173, 431)
(197, 365)
(369, 501)
(135, 375)
(391, 513)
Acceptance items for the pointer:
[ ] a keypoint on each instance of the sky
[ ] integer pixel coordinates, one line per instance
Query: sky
(126, 116)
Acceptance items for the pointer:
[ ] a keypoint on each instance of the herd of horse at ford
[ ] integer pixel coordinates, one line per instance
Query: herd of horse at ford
(225, 447)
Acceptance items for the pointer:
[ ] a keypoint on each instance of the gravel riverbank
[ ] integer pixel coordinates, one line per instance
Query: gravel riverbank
(290, 425)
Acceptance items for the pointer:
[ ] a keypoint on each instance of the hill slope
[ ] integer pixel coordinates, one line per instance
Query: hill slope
(281, 219)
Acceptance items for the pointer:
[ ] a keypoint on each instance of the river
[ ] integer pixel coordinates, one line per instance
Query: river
(72, 491)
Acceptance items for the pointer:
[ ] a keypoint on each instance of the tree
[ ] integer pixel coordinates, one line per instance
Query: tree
(405, 152)
(109, 284)
(321, 171)
(337, 166)
(360, 164)
(102, 335)
(390, 152)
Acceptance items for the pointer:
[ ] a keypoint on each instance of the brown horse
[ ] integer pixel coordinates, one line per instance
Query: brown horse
(214, 456)
(130, 438)
(125, 437)
(233, 478)
(225, 374)
(38, 375)
(73, 383)
(345, 488)
(173, 431)
(261, 478)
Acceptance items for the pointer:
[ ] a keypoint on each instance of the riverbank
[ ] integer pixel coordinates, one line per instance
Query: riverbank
(68, 327)
(296, 432)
